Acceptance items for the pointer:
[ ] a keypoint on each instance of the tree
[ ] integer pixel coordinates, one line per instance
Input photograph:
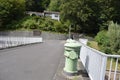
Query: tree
(116, 12)
(80, 12)
(108, 11)
(37, 5)
(29, 5)
(11, 10)
(90, 15)
(114, 30)
(54, 5)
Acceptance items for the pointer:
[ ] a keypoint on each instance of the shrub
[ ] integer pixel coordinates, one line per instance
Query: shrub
(103, 41)
(102, 38)
(114, 37)
(30, 24)
(41, 23)
(59, 27)
(109, 41)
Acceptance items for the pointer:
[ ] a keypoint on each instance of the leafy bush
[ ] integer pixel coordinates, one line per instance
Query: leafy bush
(48, 24)
(103, 41)
(60, 27)
(30, 24)
(102, 38)
(109, 41)
(114, 37)
(41, 23)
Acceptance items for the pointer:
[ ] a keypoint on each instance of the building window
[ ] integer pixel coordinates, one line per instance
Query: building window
(56, 15)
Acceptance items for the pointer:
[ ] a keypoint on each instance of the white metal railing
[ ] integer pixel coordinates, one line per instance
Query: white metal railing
(6, 41)
(95, 63)
(114, 68)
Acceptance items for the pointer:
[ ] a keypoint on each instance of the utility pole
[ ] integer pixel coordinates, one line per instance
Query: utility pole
(70, 32)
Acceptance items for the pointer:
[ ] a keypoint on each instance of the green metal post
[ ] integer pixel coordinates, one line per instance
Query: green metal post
(71, 53)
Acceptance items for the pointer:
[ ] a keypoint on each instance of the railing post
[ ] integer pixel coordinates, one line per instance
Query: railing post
(103, 68)
(110, 68)
(116, 69)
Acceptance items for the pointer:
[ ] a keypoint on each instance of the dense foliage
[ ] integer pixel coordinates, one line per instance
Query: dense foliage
(109, 41)
(10, 10)
(103, 41)
(90, 15)
(41, 23)
(37, 5)
(54, 5)
(114, 37)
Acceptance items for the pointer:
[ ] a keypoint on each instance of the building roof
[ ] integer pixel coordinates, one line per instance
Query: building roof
(51, 12)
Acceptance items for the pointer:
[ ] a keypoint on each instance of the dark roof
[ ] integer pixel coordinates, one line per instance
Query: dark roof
(51, 12)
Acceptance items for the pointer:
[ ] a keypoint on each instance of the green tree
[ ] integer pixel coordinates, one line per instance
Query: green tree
(109, 40)
(11, 10)
(54, 5)
(80, 12)
(29, 5)
(116, 12)
(90, 15)
(108, 11)
(37, 5)
(114, 37)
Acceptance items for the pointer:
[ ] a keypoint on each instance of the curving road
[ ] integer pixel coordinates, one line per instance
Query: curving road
(31, 62)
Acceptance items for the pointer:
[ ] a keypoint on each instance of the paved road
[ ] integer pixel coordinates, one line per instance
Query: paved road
(32, 62)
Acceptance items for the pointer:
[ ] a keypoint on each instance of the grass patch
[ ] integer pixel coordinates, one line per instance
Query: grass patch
(93, 44)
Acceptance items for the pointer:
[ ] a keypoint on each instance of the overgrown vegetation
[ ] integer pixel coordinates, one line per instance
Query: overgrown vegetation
(88, 16)
(36, 5)
(41, 23)
(109, 41)
(114, 37)
(10, 11)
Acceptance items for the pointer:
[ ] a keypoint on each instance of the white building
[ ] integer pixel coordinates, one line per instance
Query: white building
(53, 15)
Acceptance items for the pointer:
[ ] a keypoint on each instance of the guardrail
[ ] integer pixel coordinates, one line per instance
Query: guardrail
(99, 65)
(6, 41)
(114, 70)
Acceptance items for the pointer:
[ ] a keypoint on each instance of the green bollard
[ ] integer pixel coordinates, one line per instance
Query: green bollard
(72, 50)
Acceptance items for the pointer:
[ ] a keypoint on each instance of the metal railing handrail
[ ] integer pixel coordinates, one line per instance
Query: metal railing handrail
(101, 53)
(102, 59)
(113, 56)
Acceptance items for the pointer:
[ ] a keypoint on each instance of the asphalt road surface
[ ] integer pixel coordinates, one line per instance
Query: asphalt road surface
(31, 62)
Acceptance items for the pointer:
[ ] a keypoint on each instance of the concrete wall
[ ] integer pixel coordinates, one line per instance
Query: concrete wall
(53, 36)
(44, 35)
(17, 33)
